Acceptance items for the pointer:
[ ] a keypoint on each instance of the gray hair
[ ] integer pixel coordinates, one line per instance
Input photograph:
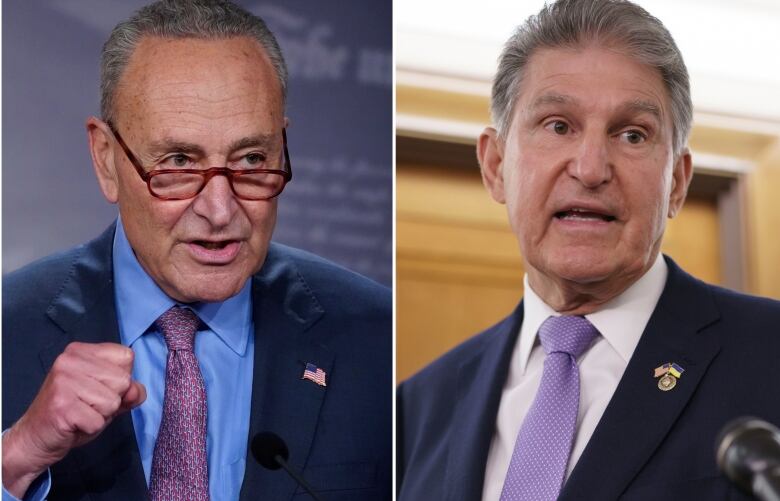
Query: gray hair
(617, 23)
(205, 19)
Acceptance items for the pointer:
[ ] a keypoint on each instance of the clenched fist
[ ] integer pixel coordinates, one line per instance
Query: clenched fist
(88, 385)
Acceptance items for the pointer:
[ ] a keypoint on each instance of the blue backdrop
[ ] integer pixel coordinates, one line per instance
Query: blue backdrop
(339, 204)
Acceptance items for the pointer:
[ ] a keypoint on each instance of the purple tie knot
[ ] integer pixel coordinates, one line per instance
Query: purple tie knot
(178, 326)
(567, 334)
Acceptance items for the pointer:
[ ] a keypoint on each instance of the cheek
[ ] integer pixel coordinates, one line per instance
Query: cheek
(262, 221)
(527, 191)
(162, 220)
(649, 197)
(152, 222)
(262, 218)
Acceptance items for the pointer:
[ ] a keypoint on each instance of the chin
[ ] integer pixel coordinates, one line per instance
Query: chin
(213, 296)
(207, 289)
(581, 266)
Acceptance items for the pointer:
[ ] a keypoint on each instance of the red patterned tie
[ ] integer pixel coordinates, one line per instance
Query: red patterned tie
(179, 465)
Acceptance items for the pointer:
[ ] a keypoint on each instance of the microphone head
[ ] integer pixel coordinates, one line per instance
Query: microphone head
(745, 447)
(266, 446)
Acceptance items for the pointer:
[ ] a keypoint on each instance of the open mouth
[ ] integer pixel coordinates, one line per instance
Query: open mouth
(577, 214)
(213, 245)
(215, 252)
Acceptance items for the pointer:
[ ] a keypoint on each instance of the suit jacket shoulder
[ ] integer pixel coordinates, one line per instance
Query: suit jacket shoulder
(39, 283)
(335, 287)
(749, 310)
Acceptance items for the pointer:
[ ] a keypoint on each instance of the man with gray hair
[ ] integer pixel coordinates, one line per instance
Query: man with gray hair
(613, 376)
(143, 364)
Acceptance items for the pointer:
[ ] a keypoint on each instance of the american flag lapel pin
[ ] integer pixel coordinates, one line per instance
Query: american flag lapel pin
(315, 374)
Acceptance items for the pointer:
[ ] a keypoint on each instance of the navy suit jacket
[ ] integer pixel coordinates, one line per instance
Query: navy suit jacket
(648, 445)
(305, 309)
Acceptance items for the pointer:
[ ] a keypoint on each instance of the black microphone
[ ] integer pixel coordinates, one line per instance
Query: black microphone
(271, 452)
(748, 452)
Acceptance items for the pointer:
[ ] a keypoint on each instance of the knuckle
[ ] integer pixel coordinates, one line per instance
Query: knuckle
(127, 355)
(122, 355)
(58, 382)
(61, 421)
(69, 356)
(56, 367)
(60, 363)
(92, 426)
(114, 404)
(125, 380)
(59, 404)
(74, 348)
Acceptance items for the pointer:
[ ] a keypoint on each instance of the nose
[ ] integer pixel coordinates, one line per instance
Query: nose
(592, 166)
(216, 202)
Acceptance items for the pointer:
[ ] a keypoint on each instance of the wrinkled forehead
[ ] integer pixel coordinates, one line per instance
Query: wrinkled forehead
(587, 75)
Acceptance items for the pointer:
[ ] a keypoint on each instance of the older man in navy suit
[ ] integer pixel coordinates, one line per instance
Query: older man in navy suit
(142, 364)
(613, 376)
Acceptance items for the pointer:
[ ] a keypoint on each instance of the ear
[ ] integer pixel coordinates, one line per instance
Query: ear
(490, 153)
(681, 179)
(102, 151)
(286, 122)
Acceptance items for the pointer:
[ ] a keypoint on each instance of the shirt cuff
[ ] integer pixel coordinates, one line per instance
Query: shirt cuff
(37, 491)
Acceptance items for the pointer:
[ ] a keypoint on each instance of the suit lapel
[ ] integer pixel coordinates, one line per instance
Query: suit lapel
(639, 411)
(480, 381)
(284, 309)
(109, 466)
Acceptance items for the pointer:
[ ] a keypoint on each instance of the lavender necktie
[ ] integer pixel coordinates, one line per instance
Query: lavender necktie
(543, 445)
(179, 465)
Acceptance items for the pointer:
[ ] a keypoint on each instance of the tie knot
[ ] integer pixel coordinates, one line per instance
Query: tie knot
(178, 326)
(567, 334)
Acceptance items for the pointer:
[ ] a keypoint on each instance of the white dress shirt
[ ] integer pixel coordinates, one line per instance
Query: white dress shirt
(620, 323)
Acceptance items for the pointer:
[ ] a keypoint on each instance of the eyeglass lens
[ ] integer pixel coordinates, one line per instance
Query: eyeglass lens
(181, 185)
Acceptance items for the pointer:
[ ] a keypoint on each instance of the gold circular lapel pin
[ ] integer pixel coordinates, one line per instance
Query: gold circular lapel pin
(669, 373)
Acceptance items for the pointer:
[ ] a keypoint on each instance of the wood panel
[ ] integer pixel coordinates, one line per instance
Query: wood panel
(764, 234)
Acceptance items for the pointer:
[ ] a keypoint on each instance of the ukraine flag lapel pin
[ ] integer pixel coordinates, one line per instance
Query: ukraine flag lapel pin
(669, 373)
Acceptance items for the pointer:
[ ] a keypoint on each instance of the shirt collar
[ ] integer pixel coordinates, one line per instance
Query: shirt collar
(140, 301)
(621, 321)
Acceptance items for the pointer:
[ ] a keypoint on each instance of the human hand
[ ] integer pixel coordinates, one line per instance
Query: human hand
(88, 385)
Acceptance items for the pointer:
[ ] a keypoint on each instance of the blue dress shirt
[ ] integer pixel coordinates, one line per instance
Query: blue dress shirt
(225, 352)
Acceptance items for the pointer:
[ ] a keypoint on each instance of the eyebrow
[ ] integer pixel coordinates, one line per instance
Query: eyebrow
(642, 106)
(169, 144)
(546, 99)
(636, 106)
(251, 141)
(166, 145)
